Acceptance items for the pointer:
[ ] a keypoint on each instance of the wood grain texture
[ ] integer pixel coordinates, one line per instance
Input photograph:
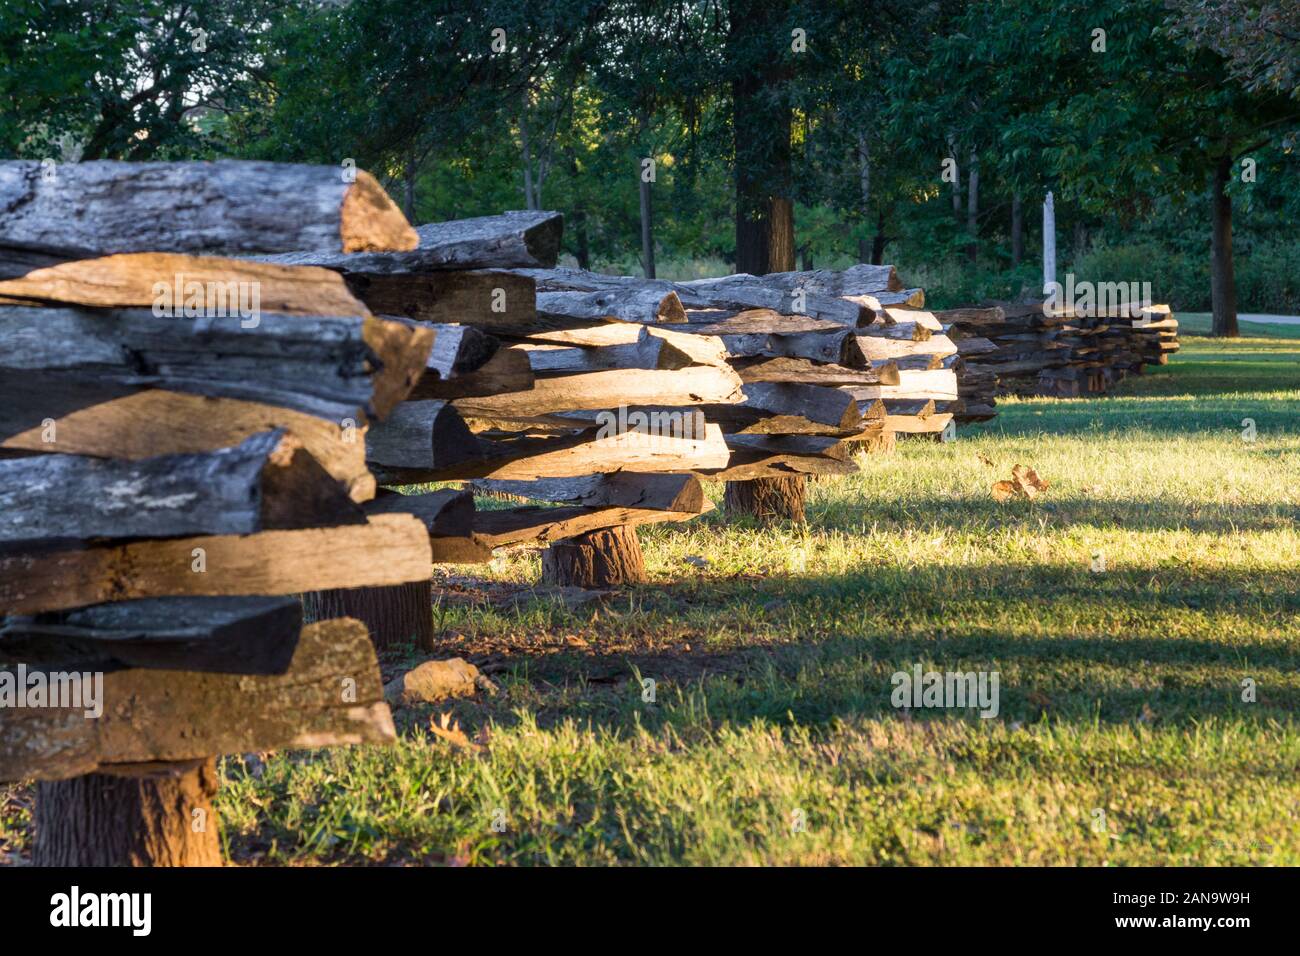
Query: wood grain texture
(389, 549)
(127, 427)
(266, 482)
(330, 695)
(229, 208)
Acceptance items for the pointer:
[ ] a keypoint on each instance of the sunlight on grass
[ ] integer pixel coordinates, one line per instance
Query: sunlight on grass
(1123, 610)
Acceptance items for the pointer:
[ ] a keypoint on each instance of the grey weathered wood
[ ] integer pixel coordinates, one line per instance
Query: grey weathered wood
(222, 208)
(459, 350)
(785, 408)
(503, 527)
(330, 366)
(508, 370)
(802, 371)
(862, 279)
(648, 352)
(650, 303)
(515, 239)
(229, 635)
(331, 694)
(447, 513)
(423, 434)
(493, 300)
(662, 492)
(266, 482)
(610, 389)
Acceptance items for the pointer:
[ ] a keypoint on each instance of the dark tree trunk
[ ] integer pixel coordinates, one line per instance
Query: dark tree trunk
(806, 258)
(410, 188)
(761, 123)
(597, 559)
(1017, 231)
(395, 614)
(864, 250)
(767, 499)
(582, 252)
(972, 209)
(160, 817)
(879, 241)
(1223, 285)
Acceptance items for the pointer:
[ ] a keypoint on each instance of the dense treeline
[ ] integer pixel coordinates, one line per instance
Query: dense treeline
(716, 135)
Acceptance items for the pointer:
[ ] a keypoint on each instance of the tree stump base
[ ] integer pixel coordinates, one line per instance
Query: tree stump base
(598, 559)
(144, 815)
(767, 499)
(394, 614)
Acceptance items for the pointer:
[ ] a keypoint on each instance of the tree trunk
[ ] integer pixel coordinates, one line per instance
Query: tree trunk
(1017, 231)
(410, 187)
(647, 230)
(879, 241)
(395, 614)
(159, 815)
(972, 209)
(1223, 286)
(761, 119)
(598, 559)
(767, 499)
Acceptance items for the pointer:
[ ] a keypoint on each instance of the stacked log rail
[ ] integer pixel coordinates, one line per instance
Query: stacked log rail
(830, 362)
(600, 416)
(173, 472)
(1032, 350)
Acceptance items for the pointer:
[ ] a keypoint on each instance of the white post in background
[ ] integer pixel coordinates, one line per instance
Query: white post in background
(1049, 244)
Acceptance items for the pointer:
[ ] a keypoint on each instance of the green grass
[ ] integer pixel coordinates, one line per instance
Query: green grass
(1121, 690)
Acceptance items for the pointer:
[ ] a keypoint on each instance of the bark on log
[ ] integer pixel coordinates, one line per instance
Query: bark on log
(621, 489)
(427, 435)
(155, 815)
(228, 635)
(768, 499)
(606, 558)
(267, 482)
(229, 208)
(330, 695)
(506, 371)
(401, 614)
(650, 303)
(610, 389)
(504, 527)
(490, 300)
(127, 428)
(517, 239)
(330, 366)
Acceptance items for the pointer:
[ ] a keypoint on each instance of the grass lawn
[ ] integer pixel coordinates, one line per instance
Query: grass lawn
(1122, 735)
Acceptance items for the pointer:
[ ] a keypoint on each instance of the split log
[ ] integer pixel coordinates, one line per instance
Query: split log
(682, 493)
(396, 616)
(649, 303)
(743, 292)
(772, 456)
(508, 370)
(227, 208)
(426, 435)
(389, 549)
(569, 456)
(493, 301)
(609, 390)
(230, 635)
(180, 283)
(516, 239)
(777, 408)
(803, 372)
(768, 499)
(940, 384)
(129, 427)
(533, 525)
(607, 558)
(157, 814)
(267, 482)
(862, 279)
(459, 350)
(330, 366)
(650, 352)
(331, 694)
(448, 515)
